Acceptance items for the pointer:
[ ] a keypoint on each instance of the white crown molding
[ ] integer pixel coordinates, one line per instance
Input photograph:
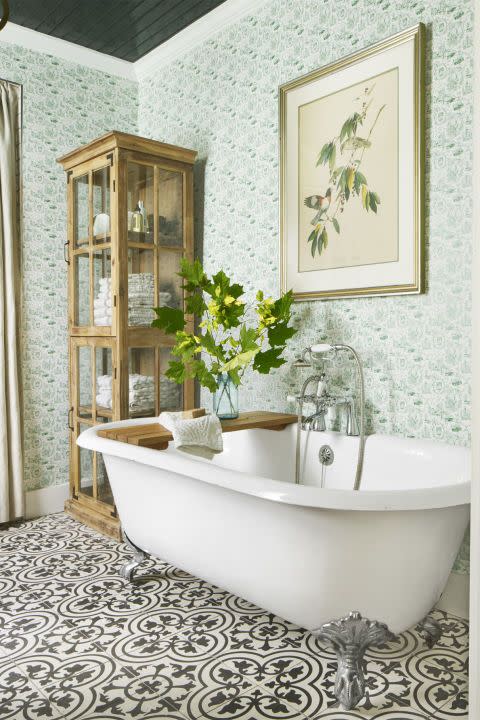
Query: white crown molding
(202, 29)
(33, 40)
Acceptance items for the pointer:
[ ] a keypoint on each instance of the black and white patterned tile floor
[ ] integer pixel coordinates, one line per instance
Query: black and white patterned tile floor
(78, 642)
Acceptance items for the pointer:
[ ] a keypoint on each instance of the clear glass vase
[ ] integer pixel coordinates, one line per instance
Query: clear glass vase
(225, 398)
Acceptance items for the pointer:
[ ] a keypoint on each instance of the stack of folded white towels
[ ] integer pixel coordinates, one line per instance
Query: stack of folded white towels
(104, 391)
(141, 294)
(140, 300)
(169, 394)
(102, 305)
(141, 393)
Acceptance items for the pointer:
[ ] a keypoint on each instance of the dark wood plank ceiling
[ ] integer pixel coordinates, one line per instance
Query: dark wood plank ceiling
(126, 29)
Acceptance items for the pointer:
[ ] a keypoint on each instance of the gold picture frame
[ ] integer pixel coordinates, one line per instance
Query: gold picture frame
(380, 252)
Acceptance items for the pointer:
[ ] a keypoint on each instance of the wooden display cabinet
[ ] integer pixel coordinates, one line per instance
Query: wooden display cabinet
(130, 221)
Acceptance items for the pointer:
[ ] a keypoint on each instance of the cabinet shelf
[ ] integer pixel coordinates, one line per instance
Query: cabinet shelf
(117, 360)
(143, 238)
(102, 238)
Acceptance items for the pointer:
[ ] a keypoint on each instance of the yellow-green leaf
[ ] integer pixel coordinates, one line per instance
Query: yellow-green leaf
(240, 360)
(350, 178)
(364, 195)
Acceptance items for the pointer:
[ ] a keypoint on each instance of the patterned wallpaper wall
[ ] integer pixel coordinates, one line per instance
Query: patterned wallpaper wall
(65, 105)
(221, 100)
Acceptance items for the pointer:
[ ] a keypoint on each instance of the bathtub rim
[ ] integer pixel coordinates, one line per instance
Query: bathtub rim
(174, 461)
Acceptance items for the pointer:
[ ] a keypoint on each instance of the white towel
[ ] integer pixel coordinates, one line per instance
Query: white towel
(199, 436)
(140, 300)
(140, 392)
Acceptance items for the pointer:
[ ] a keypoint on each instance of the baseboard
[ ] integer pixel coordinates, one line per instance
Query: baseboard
(455, 597)
(46, 500)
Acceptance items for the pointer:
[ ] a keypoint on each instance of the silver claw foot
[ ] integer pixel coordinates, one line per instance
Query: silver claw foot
(430, 630)
(127, 570)
(350, 637)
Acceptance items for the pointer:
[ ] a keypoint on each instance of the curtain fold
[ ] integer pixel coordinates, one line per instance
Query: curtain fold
(12, 496)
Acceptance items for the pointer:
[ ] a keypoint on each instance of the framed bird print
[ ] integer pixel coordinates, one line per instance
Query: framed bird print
(351, 157)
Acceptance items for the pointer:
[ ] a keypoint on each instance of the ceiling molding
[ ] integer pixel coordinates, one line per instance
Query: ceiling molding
(40, 42)
(202, 29)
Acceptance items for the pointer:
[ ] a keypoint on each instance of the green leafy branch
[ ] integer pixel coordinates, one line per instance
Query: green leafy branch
(345, 180)
(225, 342)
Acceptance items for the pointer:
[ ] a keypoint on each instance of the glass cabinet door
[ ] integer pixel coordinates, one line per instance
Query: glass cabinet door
(141, 253)
(84, 462)
(170, 208)
(149, 390)
(93, 401)
(155, 209)
(140, 218)
(81, 212)
(141, 285)
(101, 205)
(92, 249)
(171, 243)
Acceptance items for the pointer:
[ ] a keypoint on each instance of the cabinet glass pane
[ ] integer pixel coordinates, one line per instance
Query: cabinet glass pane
(171, 394)
(101, 204)
(84, 381)
(85, 467)
(140, 203)
(104, 491)
(82, 289)
(102, 287)
(141, 287)
(170, 208)
(170, 290)
(141, 382)
(81, 213)
(104, 382)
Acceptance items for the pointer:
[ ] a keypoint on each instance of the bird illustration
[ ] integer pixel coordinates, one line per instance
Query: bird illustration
(321, 203)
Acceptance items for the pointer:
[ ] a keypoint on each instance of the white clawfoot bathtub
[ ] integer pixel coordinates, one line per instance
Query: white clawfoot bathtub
(308, 553)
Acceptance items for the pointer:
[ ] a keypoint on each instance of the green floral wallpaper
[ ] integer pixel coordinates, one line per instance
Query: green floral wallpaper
(64, 105)
(222, 100)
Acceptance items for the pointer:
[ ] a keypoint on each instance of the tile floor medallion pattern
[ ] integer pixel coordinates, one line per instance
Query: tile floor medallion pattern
(78, 642)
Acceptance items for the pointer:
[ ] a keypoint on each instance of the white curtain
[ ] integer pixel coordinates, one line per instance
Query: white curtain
(12, 498)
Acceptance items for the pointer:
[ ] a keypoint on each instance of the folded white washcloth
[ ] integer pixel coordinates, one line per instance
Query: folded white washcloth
(198, 436)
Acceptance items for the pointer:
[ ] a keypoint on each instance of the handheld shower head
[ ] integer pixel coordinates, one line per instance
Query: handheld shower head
(312, 354)
(321, 348)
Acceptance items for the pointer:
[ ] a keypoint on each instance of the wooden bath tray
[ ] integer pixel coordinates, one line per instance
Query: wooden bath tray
(156, 436)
